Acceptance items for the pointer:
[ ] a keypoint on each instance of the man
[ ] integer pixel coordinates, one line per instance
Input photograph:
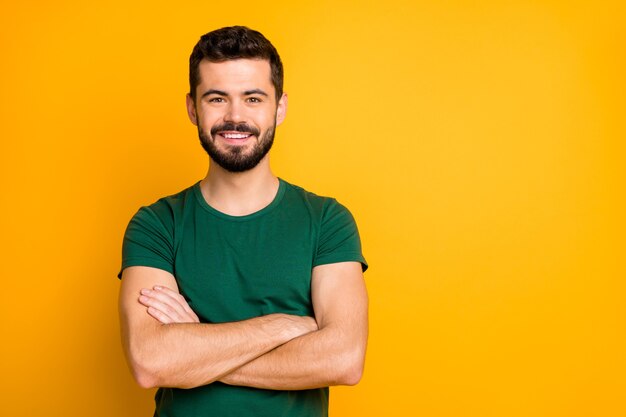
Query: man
(242, 295)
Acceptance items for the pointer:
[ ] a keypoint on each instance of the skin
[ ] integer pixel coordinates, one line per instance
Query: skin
(164, 342)
(246, 192)
(190, 354)
(251, 107)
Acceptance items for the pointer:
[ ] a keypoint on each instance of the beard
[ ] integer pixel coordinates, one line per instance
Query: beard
(237, 158)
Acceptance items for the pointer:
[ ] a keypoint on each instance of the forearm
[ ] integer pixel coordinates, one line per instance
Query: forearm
(187, 355)
(332, 355)
(166, 346)
(318, 359)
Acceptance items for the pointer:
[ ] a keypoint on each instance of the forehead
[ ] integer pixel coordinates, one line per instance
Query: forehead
(236, 74)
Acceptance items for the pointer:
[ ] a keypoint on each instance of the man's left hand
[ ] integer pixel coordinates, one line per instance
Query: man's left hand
(167, 306)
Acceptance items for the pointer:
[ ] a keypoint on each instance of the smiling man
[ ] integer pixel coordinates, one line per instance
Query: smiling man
(242, 295)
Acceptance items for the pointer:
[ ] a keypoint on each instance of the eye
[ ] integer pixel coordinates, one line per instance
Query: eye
(216, 100)
(254, 100)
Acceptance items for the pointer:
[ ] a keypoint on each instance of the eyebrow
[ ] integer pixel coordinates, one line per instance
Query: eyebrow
(255, 91)
(212, 91)
(225, 94)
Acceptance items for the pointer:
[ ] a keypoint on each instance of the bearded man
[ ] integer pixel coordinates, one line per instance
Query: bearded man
(242, 295)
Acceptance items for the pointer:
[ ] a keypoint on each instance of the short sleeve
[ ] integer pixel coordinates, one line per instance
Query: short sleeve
(148, 241)
(339, 239)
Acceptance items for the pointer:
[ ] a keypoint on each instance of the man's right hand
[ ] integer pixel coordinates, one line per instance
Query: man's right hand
(296, 326)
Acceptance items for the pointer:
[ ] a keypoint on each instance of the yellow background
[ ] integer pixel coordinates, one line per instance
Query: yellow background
(479, 144)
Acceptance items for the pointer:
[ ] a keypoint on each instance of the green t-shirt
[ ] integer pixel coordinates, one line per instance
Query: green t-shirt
(232, 268)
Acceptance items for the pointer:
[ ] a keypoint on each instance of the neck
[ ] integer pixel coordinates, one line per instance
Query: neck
(241, 193)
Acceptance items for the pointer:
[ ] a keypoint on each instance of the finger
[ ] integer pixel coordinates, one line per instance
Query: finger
(180, 300)
(171, 304)
(195, 317)
(178, 297)
(164, 309)
(159, 315)
(164, 298)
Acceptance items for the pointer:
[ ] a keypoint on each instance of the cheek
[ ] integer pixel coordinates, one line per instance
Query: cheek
(270, 120)
(207, 121)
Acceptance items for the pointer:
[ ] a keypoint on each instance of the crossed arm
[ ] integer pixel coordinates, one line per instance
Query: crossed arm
(166, 346)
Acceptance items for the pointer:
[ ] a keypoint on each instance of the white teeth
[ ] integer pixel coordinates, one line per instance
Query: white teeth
(235, 136)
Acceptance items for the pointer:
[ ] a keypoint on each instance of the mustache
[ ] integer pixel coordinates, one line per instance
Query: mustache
(232, 127)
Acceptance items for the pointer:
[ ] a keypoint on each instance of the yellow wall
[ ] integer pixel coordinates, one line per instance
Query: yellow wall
(480, 145)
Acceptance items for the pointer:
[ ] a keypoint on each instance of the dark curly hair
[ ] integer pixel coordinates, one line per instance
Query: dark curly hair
(234, 42)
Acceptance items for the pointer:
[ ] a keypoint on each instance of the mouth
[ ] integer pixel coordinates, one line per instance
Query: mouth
(236, 138)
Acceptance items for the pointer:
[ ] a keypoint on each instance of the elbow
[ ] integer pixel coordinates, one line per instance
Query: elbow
(351, 369)
(145, 380)
(149, 375)
(146, 366)
(154, 377)
(156, 372)
(146, 374)
(351, 378)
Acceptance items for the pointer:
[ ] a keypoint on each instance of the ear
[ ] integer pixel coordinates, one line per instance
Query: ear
(281, 109)
(191, 110)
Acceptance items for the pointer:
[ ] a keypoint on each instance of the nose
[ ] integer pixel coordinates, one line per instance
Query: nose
(234, 113)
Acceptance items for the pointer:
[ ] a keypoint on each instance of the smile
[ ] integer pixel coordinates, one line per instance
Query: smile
(235, 138)
(236, 135)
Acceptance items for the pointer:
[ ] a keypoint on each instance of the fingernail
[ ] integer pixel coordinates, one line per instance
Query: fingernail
(145, 291)
(158, 287)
